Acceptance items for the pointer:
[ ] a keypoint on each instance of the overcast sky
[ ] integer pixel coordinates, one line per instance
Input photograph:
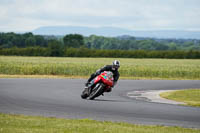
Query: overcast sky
(27, 15)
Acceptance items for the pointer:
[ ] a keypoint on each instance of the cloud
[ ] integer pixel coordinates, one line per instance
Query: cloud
(23, 15)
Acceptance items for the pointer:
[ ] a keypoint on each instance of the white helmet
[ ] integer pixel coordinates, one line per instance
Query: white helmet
(116, 63)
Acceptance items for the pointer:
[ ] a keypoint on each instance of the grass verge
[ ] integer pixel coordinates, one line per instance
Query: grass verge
(190, 96)
(29, 124)
(80, 77)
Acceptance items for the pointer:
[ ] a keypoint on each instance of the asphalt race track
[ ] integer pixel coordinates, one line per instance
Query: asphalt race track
(61, 98)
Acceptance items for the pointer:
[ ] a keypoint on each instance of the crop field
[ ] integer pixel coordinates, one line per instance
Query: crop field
(130, 68)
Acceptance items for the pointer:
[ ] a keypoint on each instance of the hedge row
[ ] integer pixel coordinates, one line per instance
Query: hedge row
(84, 52)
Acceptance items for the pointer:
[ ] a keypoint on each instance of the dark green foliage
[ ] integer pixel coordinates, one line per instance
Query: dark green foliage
(30, 41)
(29, 51)
(73, 40)
(54, 48)
(75, 45)
(8, 40)
(131, 43)
(84, 52)
(40, 41)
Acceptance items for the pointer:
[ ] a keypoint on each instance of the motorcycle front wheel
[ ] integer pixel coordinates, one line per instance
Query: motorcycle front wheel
(96, 91)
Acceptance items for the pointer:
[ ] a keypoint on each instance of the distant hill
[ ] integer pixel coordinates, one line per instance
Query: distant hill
(112, 32)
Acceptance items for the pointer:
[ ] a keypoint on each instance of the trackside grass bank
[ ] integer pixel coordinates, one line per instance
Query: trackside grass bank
(83, 67)
(190, 96)
(33, 124)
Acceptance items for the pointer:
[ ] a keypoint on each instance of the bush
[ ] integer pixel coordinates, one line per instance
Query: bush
(55, 49)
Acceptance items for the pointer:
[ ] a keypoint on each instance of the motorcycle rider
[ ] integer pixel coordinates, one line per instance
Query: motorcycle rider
(113, 68)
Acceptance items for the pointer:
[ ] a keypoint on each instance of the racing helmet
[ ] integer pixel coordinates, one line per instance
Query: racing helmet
(116, 64)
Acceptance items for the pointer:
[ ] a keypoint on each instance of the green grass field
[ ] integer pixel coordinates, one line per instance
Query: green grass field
(130, 68)
(83, 67)
(36, 124)
(190, 96)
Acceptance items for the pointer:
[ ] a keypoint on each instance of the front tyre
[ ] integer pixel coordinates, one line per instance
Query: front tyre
(97, 91)
(84, 94)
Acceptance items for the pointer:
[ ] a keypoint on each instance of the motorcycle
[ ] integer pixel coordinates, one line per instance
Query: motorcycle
(100, 84)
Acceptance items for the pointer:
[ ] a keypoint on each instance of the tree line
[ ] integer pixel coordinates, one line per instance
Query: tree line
(76, 45)
(133, 43)
(8, 40)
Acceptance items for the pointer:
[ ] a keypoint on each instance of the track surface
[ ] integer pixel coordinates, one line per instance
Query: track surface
(61, 98)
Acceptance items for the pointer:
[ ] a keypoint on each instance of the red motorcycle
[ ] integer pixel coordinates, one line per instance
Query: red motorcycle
(100, 84)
